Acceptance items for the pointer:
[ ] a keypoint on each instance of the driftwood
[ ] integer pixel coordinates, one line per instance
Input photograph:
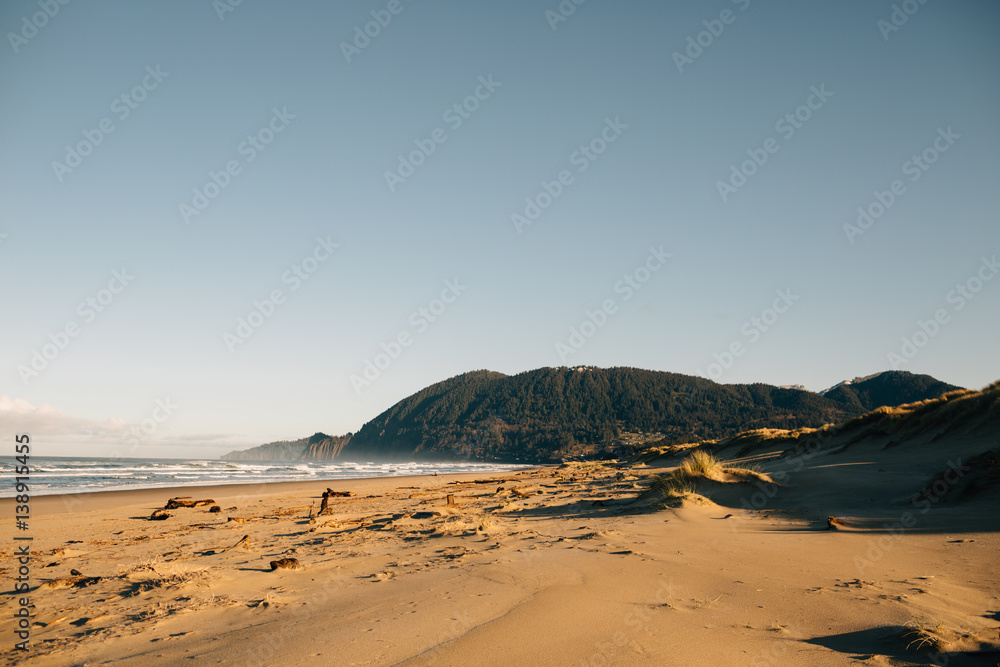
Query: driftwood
(285, 564)
(330, 493)
(833, 523)
(214, 509)
(71, 582)
(243, 545)
(175, 503)
(159, 515)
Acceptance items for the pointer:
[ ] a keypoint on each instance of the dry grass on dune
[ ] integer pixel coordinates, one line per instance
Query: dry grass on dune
(746, 442)
(682, 482)
(655, 452)
(765, 438)
(936, 415)
(947, 407)
(963, 408)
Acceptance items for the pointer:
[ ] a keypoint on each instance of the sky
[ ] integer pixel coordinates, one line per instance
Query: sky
(226, 224)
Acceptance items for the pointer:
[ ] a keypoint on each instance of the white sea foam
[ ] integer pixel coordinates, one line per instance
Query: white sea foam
(51, 475)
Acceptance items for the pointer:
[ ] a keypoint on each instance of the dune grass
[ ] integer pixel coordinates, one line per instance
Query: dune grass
(923, 637)
(681, 481)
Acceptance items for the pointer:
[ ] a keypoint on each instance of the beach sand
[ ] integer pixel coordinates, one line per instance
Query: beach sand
(572, 565)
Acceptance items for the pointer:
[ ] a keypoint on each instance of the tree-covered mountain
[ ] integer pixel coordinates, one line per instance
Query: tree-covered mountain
(889, 388)
(549, 413)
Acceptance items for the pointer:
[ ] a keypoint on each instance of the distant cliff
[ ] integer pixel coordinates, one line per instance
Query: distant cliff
(318, 447)
(324, 447)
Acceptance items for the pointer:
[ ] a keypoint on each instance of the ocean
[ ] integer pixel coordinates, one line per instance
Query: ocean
(64, 474)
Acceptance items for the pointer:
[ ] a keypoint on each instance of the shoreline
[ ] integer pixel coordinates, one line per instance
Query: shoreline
(48, 479)
(56, 503)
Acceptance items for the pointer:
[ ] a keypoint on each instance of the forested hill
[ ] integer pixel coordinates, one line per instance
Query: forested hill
(550, 413)
(888, 388)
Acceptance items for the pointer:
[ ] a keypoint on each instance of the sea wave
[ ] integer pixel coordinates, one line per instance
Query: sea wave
(52, 475)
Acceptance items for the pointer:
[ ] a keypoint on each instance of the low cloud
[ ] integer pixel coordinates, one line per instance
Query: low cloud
(20, 416)
(55, 433)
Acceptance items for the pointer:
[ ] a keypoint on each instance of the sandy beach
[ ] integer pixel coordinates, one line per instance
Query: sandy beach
(572, 565)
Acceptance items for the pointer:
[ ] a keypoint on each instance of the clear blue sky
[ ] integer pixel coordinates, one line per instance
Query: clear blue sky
(672, 130)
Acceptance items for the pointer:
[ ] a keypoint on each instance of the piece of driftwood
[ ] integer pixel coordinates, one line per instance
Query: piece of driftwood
(159, 515)
(214, 509)
(451, 499)
(71, 582)
(833, 523)
(285, 564)
(330, 493)
(243, 545)
(175, 503)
